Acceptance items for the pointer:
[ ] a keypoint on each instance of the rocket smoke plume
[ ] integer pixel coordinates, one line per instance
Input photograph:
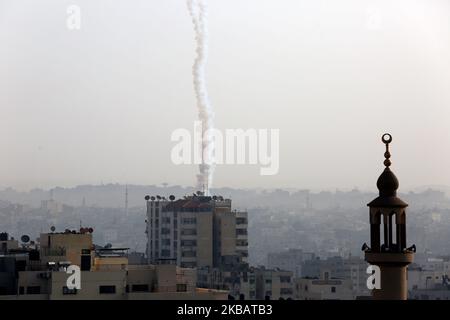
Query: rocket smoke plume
(198, 11)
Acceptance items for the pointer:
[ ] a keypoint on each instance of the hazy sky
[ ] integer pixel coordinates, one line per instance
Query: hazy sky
(99, 104)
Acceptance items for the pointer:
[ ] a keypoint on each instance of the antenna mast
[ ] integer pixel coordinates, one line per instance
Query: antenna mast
(126, 200)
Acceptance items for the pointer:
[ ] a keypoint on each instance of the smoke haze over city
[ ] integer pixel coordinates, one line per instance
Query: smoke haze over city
(99, 104)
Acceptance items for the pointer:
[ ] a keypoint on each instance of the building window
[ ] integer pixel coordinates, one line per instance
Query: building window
(69, 291)
(165, 242)
(269, 280)
(165, 253)
(333, 289)
(34, 290)
(181, 287)
(188, 243)
(241, 232)
(285, 291)
(21, 290)
(140, 288)
(107, 289)
(285, 279)
(188, 265)
(241, 243)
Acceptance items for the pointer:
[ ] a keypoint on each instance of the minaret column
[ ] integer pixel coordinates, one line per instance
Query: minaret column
(392, 257)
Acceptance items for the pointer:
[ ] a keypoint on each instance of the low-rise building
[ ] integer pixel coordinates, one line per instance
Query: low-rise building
(273, 284)
(105, 273)
(324, 288)
(290, 260)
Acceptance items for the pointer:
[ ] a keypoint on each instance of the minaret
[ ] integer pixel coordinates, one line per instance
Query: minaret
(392, 256)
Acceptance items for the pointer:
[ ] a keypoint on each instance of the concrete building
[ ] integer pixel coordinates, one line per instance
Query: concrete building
(428, 279)
(232, 275)
(352, 270)
(70, 245)
(7, 243)
(52, 207)
(242, 235)
(28, 273)
(290, 260)
(273, 284)
(323, 288)
(393, 256)
(195, 232)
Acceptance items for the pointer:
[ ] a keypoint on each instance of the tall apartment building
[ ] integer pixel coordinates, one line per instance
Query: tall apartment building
(194, 232)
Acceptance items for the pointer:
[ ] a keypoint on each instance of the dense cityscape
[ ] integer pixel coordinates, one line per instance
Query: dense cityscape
(263, 244)
(199, 159)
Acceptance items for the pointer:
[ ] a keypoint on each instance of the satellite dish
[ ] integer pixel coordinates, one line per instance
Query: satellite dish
(91, 230)
(214, 197)
(25, 238)
(147, 198)
(152, 198)
(158, 197)
(53, 228)
(172, 197)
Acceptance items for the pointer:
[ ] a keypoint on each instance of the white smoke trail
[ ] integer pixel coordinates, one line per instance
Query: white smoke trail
(199, 13)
